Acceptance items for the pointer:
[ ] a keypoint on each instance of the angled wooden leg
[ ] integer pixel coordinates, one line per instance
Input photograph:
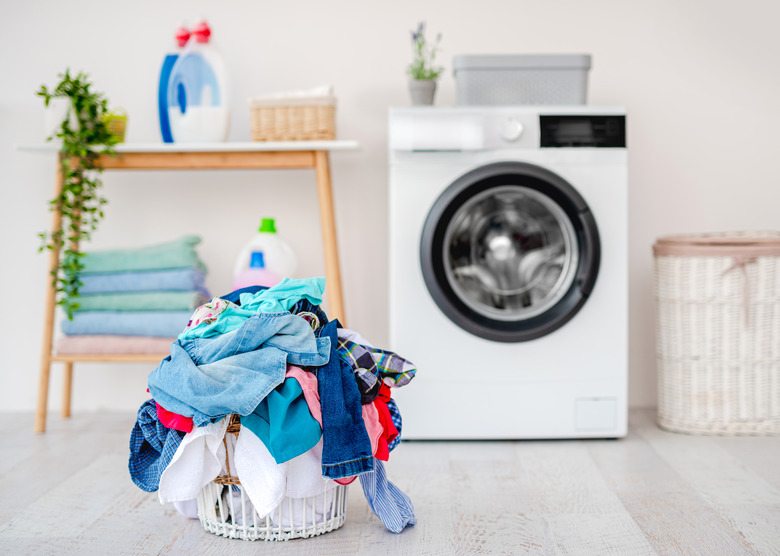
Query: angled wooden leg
(48, 317)
(328, 223)
(67, 388)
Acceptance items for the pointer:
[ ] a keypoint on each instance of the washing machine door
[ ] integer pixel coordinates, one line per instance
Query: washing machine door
(510, 252)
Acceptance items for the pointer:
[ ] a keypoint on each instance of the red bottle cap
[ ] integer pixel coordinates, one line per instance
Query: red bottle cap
(202, 32)
(182, 36)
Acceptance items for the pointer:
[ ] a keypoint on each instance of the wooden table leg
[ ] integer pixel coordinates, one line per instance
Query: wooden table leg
(48, 317)
(67, 388)
(328, 223)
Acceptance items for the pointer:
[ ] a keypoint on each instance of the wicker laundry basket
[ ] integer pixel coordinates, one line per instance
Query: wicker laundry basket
(718, 333)
(225, 509)
(293, 119)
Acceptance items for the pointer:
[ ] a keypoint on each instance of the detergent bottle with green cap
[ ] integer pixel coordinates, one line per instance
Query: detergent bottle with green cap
(257, 274)
(266, 257)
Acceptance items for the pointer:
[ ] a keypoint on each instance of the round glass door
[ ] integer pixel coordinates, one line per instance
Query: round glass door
(510, 252)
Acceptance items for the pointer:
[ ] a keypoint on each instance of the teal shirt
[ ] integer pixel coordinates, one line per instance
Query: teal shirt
(276, 299)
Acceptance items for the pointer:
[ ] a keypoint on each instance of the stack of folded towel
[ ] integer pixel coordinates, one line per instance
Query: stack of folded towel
(135, 300)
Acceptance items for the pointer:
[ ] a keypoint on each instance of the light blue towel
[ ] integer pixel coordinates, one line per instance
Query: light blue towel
(158, 324)
(182, 279)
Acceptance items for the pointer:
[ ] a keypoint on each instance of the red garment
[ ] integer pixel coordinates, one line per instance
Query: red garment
(173, 420)
(386, 420)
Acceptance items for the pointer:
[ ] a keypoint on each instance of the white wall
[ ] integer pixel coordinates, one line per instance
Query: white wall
(699, 79)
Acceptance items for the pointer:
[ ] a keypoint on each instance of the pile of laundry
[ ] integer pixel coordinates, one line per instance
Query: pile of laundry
(134, 300)
(313, 399)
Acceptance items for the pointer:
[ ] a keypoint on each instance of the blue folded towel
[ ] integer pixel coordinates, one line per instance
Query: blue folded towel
(183, 279)
(158, 324)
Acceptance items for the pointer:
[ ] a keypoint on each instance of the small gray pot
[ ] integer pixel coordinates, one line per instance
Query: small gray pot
(422, 91)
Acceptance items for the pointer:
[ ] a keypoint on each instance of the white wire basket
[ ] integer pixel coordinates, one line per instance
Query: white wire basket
(718, 333)
(225, 509)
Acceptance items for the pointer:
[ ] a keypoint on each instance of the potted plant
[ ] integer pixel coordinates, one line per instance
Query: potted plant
(422, 71)
(85, 136)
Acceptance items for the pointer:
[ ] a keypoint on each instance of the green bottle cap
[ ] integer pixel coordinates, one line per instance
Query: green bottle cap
(267, 225)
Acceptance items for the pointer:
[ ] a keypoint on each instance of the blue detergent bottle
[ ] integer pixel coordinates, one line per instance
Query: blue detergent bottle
(182, 36)
(197, 98)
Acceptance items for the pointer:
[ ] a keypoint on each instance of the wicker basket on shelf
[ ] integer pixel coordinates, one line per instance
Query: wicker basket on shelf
(225, 509)
(718, 333)
(293, 119)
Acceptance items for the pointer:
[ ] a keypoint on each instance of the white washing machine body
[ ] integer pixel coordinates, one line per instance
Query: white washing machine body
(565, 376)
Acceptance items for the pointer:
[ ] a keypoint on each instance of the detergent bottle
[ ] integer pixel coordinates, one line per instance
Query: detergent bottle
(257, 274)
(182, 36)
(266, 255)
(198, 109)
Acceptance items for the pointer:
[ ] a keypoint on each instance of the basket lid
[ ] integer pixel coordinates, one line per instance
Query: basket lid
(754, 244)
(520, 61)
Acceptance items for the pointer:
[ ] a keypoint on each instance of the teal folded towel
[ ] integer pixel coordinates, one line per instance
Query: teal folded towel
(141, 301)
(173, 254)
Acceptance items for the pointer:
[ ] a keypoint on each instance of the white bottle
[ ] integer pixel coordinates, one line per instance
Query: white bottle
(278, 256)
(198, 96)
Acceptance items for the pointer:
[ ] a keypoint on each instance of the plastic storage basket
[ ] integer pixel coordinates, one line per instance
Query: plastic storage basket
(718, 333)
(293, 119)
(225, 509)
(508, 79)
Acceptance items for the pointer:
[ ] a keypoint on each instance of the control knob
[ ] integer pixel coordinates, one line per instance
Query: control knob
(510, 129)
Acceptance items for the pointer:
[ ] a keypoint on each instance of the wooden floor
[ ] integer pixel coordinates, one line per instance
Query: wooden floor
(68, 492)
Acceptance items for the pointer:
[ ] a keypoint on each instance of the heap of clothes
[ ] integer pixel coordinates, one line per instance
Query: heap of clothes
(134, 300)
(313, 398)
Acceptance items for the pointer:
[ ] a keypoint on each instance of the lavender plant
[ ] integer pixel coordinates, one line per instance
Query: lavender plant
(422, 66)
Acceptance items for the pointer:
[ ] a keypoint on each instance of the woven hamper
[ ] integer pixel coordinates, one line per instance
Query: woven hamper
(225, 509)
(718, 333)
(293, 119)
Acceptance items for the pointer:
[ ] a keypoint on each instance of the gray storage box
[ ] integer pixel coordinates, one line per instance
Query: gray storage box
(507, 79)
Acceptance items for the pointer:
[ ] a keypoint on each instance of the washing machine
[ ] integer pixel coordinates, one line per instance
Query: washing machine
(509, 270)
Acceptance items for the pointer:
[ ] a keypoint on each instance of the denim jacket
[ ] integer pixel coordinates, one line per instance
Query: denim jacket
(206, 378)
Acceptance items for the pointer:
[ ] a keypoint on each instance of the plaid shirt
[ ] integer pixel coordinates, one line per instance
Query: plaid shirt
(373, 366)
(152, 446)
(395, 415)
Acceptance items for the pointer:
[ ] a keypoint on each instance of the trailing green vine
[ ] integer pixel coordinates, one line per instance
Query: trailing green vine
(85, 137)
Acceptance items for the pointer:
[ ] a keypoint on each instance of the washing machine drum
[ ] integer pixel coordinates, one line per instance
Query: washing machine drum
(510, 252)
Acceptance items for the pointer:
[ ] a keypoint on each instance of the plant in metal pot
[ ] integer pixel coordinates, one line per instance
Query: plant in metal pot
(423, 71)
(85, 137)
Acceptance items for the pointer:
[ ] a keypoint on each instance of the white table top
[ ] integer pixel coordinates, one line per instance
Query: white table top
(248, 146)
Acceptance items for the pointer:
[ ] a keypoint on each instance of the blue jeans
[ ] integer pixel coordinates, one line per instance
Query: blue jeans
(207, 378)
(346, 448)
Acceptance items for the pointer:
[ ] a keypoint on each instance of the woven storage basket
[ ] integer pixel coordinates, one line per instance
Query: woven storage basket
(718, 333)
(225, 509)
(293, 119)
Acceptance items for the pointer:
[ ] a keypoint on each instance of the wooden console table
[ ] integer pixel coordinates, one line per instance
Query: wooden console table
(160, 156)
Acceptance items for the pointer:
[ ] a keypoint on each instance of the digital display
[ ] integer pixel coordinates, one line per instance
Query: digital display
(583, 131)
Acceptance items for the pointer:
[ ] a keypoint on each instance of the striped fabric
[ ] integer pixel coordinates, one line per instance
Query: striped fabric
(392, 507)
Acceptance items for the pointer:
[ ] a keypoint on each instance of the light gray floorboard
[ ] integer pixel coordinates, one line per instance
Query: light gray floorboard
(654, 492)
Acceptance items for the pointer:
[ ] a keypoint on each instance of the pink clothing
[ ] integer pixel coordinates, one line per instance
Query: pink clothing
(113, 344)
(373, 427)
